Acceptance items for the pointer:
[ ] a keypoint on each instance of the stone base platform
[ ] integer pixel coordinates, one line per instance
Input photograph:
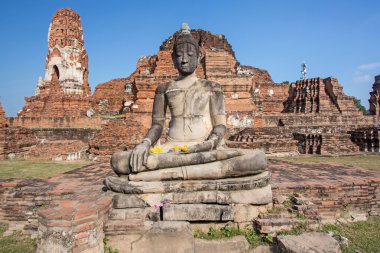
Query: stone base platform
(211, 206)
(72, 213)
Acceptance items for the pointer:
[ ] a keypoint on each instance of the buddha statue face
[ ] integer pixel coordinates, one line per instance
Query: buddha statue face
(185, 58)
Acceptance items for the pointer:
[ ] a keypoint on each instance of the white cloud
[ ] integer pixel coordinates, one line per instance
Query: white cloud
(362, 78)
(369, 66)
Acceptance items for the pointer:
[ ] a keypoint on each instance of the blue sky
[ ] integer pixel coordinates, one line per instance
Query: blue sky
(335, 38)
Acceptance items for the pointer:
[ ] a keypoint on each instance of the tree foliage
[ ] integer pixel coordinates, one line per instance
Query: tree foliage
(359, 105)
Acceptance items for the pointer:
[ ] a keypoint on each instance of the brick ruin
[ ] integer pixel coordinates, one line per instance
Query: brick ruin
(311, 116)
(133, 96)
(3, 119)
(317, 95)
(64, 90)
(61, 102)
(374, 100)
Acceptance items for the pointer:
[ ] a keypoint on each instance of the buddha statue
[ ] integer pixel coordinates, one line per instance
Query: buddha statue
(197, 124)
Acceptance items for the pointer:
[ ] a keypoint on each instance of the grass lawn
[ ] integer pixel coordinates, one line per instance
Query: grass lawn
(36, 169)
(363, 236)
(254, 238)
(15, 243)
(371, 162)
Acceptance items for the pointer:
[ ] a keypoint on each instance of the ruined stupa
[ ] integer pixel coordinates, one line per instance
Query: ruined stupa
(64, 89)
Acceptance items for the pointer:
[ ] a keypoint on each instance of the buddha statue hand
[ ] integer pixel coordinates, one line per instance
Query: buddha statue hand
(212, 142)
(202, 147)
(139, 156)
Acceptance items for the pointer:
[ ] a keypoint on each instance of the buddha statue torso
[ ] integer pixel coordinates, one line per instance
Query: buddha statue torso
(195, 109)
(190, 112)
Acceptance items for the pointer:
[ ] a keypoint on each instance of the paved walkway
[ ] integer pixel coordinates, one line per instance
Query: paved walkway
(86, 183)
(297, 175)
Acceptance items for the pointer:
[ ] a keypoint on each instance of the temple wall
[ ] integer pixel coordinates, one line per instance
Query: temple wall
(3, 119)
(374, 99)
(120, 135)
(317, 120)
(111, 97)
(15, 142)
(56, 104)
(55, 122)
(45, 143)
(331, 200)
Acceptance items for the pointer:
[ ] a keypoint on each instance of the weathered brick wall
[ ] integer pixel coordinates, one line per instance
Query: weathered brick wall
(16, 141)
(56, 105)
(120, 134)
(346, 104)
(45, 143)
(374, 99)
(67, 212)
(110, 97)
(324, 140)
(55, 122)
(332, 200)
(19, 202)
(318, 95)
(61, 143)
(274, 140)
(58, 134)
(334, 188)
(273, 97)
(2, 144)
(58, 150)
(318, 120)
(367, 138)
(3, 119)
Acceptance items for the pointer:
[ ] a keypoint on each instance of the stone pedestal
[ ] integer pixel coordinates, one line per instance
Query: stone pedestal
(159, 209)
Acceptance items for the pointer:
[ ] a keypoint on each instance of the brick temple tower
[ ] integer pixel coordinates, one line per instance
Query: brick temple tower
(64, 89)
(374, 100)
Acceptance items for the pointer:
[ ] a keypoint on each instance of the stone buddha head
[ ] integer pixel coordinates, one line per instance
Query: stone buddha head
(185, 52)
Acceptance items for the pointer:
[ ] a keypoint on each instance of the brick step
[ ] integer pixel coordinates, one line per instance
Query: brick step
(268, 226)
(133, 226)
(282, 215)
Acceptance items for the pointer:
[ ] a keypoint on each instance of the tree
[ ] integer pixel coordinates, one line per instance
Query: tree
(359, 105)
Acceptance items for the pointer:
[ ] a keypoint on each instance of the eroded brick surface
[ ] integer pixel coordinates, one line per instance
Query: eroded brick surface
(330, 186)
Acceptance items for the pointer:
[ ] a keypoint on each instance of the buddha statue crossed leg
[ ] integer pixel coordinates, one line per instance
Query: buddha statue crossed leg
(198, 120)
